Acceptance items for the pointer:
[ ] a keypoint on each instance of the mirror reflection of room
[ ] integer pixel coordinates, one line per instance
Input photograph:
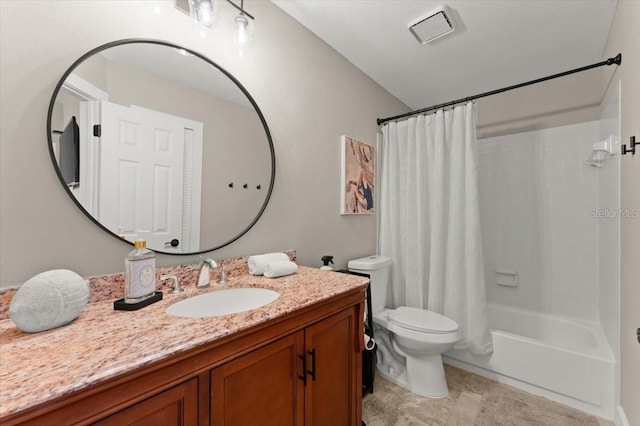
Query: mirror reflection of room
(161, 134)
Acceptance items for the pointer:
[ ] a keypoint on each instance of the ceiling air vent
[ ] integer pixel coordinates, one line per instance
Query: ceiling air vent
(431, 26)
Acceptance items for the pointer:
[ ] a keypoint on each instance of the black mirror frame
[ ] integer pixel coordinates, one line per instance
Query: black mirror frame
(204, 58)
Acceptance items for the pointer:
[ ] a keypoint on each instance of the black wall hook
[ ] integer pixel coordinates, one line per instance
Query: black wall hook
(245, 186)
(632, 144)
(231, 185)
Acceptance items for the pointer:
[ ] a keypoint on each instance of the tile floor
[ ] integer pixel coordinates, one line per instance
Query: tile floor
(473, 401)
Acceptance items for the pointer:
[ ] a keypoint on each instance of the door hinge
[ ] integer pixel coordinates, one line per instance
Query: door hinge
(97, 130)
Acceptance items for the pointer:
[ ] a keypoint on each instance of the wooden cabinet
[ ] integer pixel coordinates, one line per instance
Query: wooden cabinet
(177, 406)
(332, 396)
(309, 378)
(303, 368)
(262, 387)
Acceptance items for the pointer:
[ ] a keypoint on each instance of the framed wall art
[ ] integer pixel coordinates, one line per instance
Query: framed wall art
(358, 177)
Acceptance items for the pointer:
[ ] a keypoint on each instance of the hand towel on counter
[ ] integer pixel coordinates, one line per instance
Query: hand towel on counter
(259, 262)
(280, 268)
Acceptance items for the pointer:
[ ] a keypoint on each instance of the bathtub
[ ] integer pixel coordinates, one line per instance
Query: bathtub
(563, 359)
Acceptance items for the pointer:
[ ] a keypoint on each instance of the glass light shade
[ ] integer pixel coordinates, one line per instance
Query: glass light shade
(242, 34)
(204, 14)
(202, 11)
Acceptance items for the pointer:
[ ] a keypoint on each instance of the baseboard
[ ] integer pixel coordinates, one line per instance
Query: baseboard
(621, 417)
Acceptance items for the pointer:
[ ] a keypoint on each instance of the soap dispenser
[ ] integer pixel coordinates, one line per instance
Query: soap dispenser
(140, 273)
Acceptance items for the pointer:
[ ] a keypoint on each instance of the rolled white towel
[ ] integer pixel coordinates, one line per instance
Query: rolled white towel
(280, 268)
(259, 262)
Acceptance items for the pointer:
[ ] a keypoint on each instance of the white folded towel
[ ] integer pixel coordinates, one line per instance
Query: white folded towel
(280, 268)
(259, 262)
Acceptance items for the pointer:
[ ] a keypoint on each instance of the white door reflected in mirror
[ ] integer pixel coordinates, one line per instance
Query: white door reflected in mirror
(150, 165)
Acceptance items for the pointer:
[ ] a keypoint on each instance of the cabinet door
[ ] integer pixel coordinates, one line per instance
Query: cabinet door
(333, 358)
(176, 406)
(260, 388)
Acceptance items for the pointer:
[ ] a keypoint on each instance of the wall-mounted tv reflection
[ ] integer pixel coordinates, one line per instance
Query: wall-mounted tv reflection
(70, 153)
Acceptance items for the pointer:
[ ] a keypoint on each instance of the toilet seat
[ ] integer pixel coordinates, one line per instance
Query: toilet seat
(422, 320)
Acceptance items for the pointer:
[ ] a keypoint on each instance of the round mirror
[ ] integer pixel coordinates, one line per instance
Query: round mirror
(154, 141)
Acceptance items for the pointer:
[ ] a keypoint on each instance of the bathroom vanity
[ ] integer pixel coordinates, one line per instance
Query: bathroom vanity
(295, 361)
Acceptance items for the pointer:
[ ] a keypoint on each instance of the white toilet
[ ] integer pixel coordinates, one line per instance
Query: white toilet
(410, 340)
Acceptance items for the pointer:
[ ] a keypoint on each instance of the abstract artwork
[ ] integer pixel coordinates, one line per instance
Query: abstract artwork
(358, 177)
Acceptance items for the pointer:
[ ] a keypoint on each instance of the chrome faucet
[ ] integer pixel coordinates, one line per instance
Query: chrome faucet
(204, 277)
(176, 285)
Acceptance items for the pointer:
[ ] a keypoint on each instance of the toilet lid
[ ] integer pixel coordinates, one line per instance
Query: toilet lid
(422, 320)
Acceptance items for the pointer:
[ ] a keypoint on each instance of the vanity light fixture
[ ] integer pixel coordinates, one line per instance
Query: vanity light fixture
(242, 32)
(205, 12)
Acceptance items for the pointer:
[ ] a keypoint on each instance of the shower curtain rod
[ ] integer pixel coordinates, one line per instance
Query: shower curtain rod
(615, 60)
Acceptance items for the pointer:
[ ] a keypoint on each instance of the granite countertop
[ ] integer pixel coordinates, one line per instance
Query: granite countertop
(103, 343)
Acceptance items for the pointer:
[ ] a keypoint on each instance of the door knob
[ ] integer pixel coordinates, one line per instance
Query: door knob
(173, 243)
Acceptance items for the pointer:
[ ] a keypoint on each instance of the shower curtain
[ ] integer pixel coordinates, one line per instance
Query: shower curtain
(430, 219)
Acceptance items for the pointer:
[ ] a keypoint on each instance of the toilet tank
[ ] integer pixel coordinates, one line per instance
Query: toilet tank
(378, 268)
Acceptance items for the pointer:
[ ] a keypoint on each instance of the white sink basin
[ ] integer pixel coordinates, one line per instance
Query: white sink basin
(222, 302)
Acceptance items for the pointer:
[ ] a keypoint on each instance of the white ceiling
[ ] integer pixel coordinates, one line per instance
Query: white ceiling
(496, 43)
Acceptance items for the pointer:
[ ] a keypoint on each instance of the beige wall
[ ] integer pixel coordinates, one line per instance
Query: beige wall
(624, 37)
(310, 96)
(560, 102)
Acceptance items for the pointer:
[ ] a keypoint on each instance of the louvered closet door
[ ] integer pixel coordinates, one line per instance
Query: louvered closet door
(141, 174)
